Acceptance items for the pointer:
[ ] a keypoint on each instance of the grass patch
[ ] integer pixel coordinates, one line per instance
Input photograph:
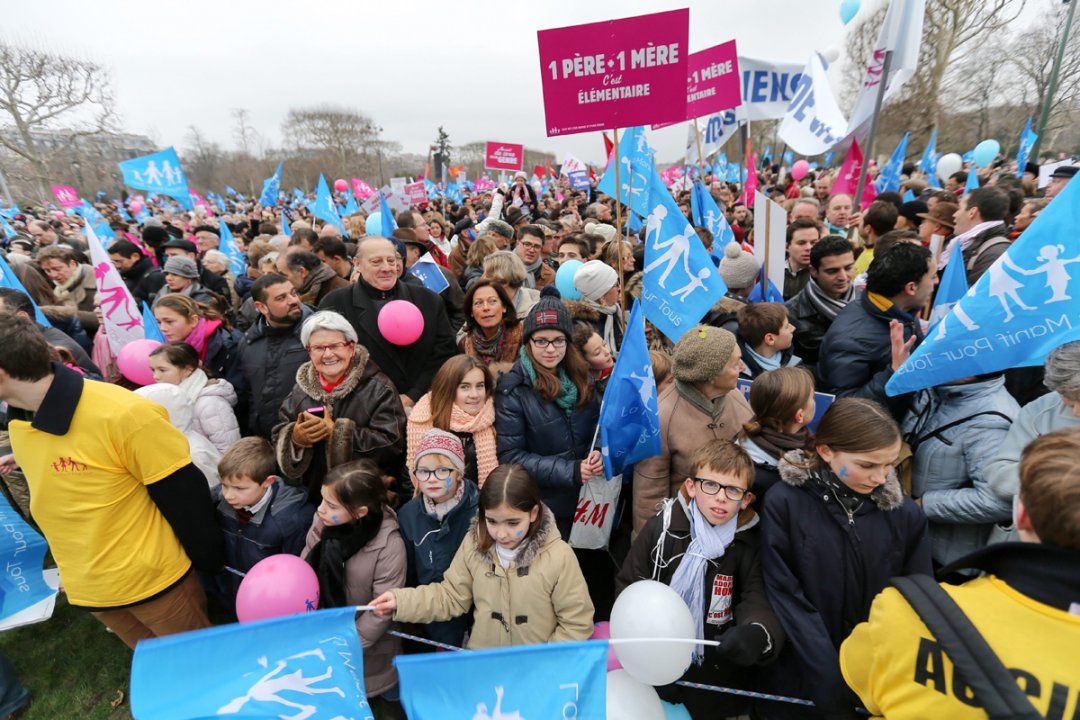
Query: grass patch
(71, 665)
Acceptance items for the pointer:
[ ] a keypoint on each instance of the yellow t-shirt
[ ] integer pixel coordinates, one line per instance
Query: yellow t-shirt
(88, 493)
(865, 258)
(900, 671)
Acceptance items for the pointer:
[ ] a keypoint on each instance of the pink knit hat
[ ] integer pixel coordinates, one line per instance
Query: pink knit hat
(440, 442)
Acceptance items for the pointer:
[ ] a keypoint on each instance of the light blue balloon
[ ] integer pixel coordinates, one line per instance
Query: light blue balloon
(986, 152)
(373, 225)
(675, 712)
(848, 10)
(564, 280)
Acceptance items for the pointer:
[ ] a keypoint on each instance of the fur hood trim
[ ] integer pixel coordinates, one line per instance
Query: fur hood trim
(544, 536)
(889, 496)
(308, 378)
(582, 311)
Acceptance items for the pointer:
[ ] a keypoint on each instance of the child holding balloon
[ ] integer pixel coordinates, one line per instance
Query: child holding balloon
(357, 553)
(704, 543)
(513, 567)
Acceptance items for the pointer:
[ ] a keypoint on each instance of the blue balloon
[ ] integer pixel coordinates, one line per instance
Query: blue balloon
(564, 280)
(848, 10)
(675, 712)
(373, 224)
(986, 152)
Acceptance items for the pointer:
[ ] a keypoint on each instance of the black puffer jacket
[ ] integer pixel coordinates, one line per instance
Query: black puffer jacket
(270, 357)
(143, 280)
(538, 434)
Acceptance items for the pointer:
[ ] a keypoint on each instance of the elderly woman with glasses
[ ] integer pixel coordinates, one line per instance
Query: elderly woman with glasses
(342, 408)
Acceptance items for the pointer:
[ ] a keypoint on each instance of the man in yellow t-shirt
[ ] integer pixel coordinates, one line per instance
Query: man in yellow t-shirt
(113, 488)
(1027, 609)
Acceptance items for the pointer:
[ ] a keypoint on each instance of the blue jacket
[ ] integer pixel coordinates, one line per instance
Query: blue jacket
(822, 571)
(430, 545)
(956, 436)
(856, 353)
(279, 527)
(536, 433)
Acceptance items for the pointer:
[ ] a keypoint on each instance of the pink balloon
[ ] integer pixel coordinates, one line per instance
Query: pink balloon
(341, 185)
(401, 322)
(602, 631)
(278, 585)
(134, 361)
(799, 169)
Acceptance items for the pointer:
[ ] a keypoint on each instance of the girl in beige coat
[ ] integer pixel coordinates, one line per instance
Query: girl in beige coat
(513, 568)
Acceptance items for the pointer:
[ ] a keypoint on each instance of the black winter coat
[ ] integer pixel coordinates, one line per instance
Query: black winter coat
(810, 327)
(270, 357)
(143, 280)
(822, 571)
(536, 433)
(223, 357)
(411, 368)
(739, 570)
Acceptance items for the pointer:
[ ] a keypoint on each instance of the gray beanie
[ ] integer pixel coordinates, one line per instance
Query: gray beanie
(182, 266)
(595, 278)
(701, 354)
(739, 269)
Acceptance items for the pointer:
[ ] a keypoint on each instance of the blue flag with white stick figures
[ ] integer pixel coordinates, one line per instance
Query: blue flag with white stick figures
(299, 666)
(237, 261)
(629, 415)
(158, 172)
(324, 207)
(889, 180)
(1027, 141)
(928, 162)
(271, 186)
(635, 161)
(1021, 308)
(681, 283)
(706, 213)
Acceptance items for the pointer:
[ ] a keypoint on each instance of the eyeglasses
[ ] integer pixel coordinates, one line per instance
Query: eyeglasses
(531, 246)
(424, 474)
(711, 487)
(323, 349)
(559, 342)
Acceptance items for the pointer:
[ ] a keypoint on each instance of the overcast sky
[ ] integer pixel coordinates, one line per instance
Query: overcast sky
(411, 66)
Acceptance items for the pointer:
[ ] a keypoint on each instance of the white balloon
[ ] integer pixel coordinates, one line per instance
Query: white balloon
(949, 164)
(630, 699)
(832, 54)
(650, 609)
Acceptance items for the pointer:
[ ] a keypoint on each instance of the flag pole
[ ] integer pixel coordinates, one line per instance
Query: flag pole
(765, 255)
(700, 157)
(868, 151)
(618, 222)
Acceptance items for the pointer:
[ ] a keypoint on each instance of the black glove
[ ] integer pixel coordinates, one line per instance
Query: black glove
(743, 644)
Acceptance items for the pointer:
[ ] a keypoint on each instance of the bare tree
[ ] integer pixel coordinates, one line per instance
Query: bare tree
(39, 91)
(348, 140)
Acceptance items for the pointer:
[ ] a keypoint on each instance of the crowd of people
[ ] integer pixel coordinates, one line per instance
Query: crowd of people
(439, 480)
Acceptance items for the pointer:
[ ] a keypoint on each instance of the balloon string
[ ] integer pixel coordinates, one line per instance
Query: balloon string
(234, 571)
(688, 641)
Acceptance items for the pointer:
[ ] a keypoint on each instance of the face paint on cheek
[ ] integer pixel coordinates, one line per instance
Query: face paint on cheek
(518, 534)
(843, 471)
(449, 484)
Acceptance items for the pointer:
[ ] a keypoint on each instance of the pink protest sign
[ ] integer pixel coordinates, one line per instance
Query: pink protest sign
(66, 195)
(712, 82)
(504, 156)
(417, 193)
(615, 73)
(361, 189)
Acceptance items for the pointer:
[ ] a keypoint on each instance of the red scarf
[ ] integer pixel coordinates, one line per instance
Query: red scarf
(199, 338)
(329, 386)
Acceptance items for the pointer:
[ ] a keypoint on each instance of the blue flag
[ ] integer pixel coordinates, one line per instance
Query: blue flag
(734, 173)
(681, 282)
(972, 180)
(428, 271)
(389, 225)
(10, 212)
(271, 185)
(928, 162)
(772, 293)
(968, 157)
(908, 196)
(635, 166)
(9, 279)
(952, 288)
(555, 680)
(629, 416)
(95, 219)
(229, 190)
(789, 157)
(159, 172)
(351, 207)
(324, 207)
(22, 550)
(237, 261)
(122, 212)
(720, 166)
(767, 155)
(151, 330)
(1027, 141)
(1020, 309)
(299, 666)
(889, 180)
(285, 229)
(829, 157)
(706, 213)
(9, 232)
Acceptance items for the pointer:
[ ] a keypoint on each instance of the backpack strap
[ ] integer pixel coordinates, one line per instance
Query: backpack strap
(992, 242)
(955, 423)
(980, 668)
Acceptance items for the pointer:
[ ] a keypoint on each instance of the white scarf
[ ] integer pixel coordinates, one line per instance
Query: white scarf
(194, 383)
(963, 240)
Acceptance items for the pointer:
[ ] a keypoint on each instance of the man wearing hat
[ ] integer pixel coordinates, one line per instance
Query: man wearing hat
(187, 249)
(461, 239)
(739, 270)
(1060, 178)
(502, 230)
(939, 220)
(701, 405)
(182, 276)
(452, 295)
(413, 220)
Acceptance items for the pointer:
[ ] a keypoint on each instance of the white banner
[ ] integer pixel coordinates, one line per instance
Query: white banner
(716, 130)
(123, 321)
(813, 123)
(770, 238)
(768, 86)
(571, 164)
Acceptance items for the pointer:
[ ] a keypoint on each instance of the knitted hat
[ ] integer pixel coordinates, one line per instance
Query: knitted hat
(548, 314)
(182, 266)
(440, 442)
(739, 269)
(701, 354)
(595, 278)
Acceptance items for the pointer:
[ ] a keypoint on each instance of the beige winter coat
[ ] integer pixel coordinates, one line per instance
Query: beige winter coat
(684, 427)
(374, 569)
(540, 598)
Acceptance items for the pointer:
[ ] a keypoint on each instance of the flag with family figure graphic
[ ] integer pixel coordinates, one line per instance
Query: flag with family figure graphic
(1024, 306)
(158, 172)
(301, 667)
(635, 163)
